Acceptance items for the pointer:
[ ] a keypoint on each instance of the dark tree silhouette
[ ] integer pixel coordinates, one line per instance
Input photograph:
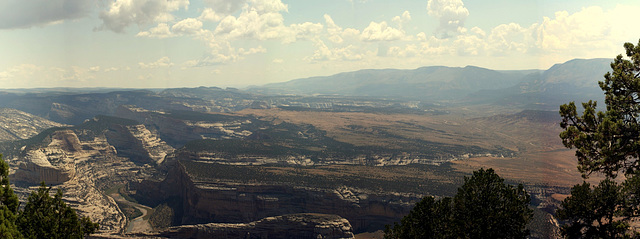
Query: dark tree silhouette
(484, 207)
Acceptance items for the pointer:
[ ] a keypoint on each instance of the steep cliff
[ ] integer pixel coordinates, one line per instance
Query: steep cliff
(305, 225)
(88, 159)
(179, 127)
(217, 201)
(137, 143)
(54, 163)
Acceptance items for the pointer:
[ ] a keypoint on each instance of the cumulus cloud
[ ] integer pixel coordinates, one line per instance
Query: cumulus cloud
(306, 30)
(25, 14)
(208, 14)
(162, 62)
(94, 69)
(400, 20)
(252, 25)
(267, 6)
(187, 26)
(225, 6)
(160, 31)
(381, 32)
(218, 9)
(590, 27)
(110, 69)
(222, 52)
(347, 53)
(450, 13)
(29, 75)
(334, 30)
(123, 13)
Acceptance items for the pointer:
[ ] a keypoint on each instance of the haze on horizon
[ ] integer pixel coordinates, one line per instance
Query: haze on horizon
(188, 43)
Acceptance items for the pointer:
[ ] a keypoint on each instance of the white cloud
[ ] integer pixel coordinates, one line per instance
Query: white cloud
(451, 15)
(306, 30)
(208, 14)
(400, 20)
(267, 6)
(216, 10)
(30, 75)
(25, 14)
(94, 69)
(19, 71)
(160, 31)
(222, 52)
(347, 53)
(226, 7)
(252, 25)
(162, 62)
(334, 30)
(381, 32)
(277, 61)
(187, 26)
(110, 69)
(588, 28)
(122, 13)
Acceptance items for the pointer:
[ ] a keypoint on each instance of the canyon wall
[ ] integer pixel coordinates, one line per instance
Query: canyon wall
(209, 201)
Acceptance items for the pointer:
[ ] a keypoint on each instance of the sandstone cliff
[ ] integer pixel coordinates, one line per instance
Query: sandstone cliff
(209, 201)
(85, 160)
(137, 143)
(306, 225)
(178, 129)
(54, 163)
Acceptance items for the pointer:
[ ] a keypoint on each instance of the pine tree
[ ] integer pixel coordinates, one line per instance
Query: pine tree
(484, 207)
(8, 205)
(50, 217)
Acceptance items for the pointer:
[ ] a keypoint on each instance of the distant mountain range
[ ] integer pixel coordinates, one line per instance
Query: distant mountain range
(573, 80)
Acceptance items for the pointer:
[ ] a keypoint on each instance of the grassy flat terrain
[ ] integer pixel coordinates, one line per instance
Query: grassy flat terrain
(540, 156)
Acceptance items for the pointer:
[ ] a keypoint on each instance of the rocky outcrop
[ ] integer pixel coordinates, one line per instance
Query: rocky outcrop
(53, 164)
(137, 143)
(176, 131)
(305, 225)
(210, 201)
(84, 168)
(15, 124)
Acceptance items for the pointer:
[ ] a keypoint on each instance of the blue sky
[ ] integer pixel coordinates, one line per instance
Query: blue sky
(188, 43)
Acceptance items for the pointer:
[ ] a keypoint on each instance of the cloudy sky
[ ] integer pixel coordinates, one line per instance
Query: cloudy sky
(188, 43)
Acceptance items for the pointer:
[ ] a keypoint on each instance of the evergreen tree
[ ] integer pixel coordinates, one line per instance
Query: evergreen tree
(609, 143)
(50, 217)
(484, 207)
(8, 205)
(594, 213)
(430, 218)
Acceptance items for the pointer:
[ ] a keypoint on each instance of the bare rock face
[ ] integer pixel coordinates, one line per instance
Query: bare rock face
(138, 143)
(82, 169)
(54, 163)
(204, 202)
(303, 225)
(178, 132)
(15, 124)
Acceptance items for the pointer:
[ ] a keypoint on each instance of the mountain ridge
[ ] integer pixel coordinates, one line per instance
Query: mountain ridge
(461, 84)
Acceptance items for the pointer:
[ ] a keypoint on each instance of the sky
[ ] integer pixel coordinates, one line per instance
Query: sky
(238, 43)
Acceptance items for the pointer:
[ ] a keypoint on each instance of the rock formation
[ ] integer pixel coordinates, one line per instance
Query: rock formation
(15, 124)
(211, 201)
(137, 143)
(54, 163)
(305, 225)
